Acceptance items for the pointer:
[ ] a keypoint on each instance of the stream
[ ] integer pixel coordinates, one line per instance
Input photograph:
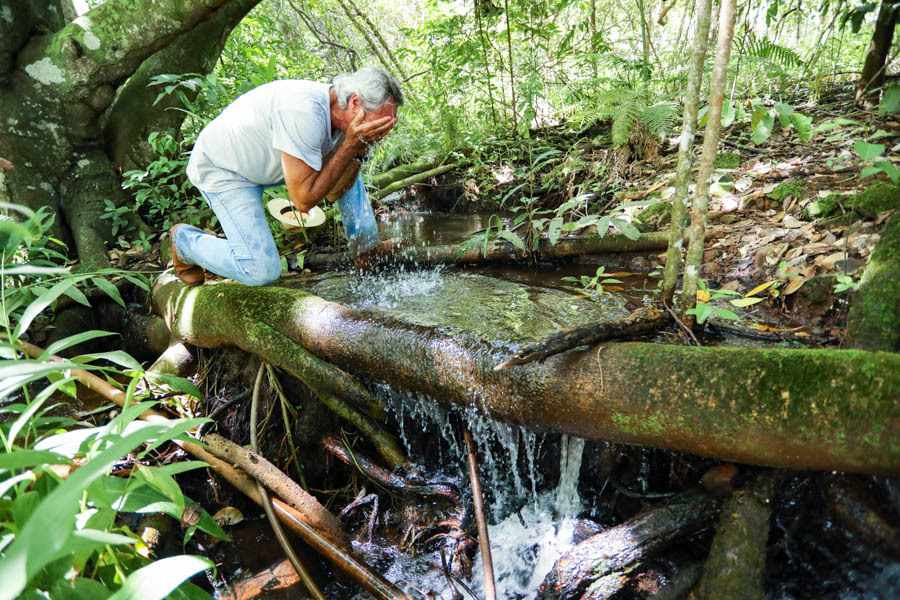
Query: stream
(546, 492)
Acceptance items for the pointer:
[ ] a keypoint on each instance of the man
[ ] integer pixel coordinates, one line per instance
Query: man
(311, 136)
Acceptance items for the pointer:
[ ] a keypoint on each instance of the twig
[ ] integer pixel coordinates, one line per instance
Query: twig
(745, 147)
(484, 543)
(267, 503)
(681, 324)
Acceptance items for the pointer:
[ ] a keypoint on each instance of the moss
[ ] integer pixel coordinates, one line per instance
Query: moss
(727, 160)
(878, 198)
(821, 208)
(653, 217)
(788, 188)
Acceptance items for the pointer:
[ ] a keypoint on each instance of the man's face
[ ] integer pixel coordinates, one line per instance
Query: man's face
(388, 109)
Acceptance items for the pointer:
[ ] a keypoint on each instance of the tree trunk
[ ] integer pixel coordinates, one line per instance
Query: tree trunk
(872, 76)
(805, 409)
(58, 76)
(685, 150)
(694, 256)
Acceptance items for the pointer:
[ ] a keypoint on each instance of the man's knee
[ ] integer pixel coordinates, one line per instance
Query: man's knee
(263, 271)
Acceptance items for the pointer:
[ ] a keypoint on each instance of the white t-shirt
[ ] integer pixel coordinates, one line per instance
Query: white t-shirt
(242, 146)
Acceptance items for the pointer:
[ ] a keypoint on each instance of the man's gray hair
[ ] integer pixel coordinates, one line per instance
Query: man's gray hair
(374, 86)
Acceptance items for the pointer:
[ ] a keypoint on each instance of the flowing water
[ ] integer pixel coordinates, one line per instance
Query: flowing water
(533, 482)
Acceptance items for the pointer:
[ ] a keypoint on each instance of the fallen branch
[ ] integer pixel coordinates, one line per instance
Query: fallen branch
(286, 488)
(279, 576)
(343, 560)
(414, 179)
(382, 180)
(643, 320)
(484, 542)
(599, 566)
(386, 478)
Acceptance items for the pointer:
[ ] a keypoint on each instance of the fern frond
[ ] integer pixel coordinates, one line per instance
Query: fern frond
(658, 118)
(772, 52)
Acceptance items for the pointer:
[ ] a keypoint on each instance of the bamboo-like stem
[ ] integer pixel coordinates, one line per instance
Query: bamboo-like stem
(380, 38)
(487, 63)
(371, 581)
(484, 541)
(683, 170)
(413, 179)
(710, 142)
(362, 30)
(512, 73)
(304, 575)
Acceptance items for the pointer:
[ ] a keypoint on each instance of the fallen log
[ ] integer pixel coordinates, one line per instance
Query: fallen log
(598, 567)
(643, 320)
(399, 172)
(805, 409)
(737, 558)
(279, 576)
(500, 252)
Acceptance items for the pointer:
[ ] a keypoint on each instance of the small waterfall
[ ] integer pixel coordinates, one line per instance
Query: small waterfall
(568, 502)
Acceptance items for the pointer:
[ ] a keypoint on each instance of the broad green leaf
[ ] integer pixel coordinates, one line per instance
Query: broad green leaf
(163, 482)
(511, 237)
(889, 168)
(554, 230)
(784, 112)
(868, 151)
(869, 171)
(42, 302)
(79, 588)
(724, 313)
(629, 230)
(742, 302)
(47, 532)
(123, 359)
(109, 289)
(179, 384)
(26, 417)
(803, 125)
(21, 459)
(890, 101)
(763, 128)
(701, 312)
(603, 225)
(158, 579)
(77, 295)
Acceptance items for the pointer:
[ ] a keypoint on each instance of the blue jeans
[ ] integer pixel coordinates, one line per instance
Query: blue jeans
(248, 253)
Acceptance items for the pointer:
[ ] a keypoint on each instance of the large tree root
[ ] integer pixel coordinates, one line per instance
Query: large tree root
(599, 566)
(286, 488)
(808, 409)
(874, 319)
(737, 559)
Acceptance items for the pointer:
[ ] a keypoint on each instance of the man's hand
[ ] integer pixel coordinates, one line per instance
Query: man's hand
(361, 134)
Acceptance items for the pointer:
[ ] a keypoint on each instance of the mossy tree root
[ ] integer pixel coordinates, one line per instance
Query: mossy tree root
(737, 559)
(874, 319)
(804, 409)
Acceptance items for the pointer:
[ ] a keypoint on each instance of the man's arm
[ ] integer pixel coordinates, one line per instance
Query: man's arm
(307, 187)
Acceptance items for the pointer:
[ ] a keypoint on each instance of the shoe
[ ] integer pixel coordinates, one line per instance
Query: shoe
(188, 274)
(381, 253)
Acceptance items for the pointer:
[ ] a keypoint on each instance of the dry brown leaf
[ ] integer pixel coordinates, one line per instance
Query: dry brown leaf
(794, 284)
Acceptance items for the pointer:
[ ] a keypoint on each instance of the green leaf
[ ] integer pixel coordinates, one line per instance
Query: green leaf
(889, 168)
(514, 239)
(724, 313)
(21, 459)
(803, 125)
(629, 230)
(67, 342)
(163, 482)
(763, 128)
(49, 528)
(43, 301)
(179, 384)
(79, 588)
(123, 359)
(784, 112)
(158, 579)
(868, 151)
(890, 101)
(109, 289)
(870, 171)
(701, 312)
(554, 230)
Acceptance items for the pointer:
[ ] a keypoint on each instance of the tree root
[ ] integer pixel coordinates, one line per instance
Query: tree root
(271, 476)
